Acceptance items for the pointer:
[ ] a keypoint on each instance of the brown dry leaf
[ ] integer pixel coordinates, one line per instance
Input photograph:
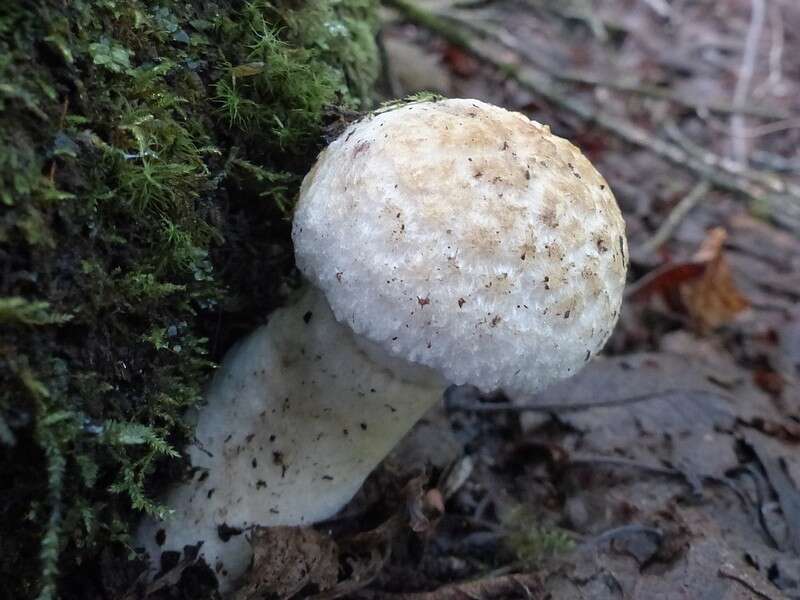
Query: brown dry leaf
(287, 559)
(702, 287)
(712, 299)
(363, 557)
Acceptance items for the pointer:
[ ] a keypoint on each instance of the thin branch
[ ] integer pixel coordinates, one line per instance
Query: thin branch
(530, 586)
(611, 535)
(774, 127)
(675, 217)
(769, 180)
(729, 571)
(560, 408)
(745, 76)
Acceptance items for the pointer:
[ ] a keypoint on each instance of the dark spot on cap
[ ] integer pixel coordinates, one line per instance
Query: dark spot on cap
(307, 317)
(161, 537)
(360, 147)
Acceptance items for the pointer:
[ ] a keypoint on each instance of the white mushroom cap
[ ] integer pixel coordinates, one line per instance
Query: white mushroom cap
(468, 239)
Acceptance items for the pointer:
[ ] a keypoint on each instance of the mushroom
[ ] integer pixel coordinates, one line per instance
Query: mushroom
(445, 242)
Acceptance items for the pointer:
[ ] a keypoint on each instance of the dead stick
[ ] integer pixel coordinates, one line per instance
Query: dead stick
(530, 586)
(496, 407)
(675, 217)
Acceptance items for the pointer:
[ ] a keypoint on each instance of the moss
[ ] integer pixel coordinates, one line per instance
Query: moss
(531, 542)
(149, 157)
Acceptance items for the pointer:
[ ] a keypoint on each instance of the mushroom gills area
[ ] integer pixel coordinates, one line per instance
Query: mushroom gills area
(296, 418)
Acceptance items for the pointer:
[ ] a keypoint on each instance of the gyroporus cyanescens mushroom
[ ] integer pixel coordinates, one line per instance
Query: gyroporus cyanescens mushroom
(445, 242)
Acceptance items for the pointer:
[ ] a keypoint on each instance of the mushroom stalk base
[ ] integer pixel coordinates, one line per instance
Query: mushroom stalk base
(297, 416)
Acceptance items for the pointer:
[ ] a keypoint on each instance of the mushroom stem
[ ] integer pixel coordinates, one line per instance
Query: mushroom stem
(298, 415)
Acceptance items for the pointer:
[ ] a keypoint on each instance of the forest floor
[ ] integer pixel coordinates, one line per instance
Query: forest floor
(668, 468)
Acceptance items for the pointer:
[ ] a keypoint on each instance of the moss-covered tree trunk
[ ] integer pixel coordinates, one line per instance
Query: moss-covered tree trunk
(150, 153)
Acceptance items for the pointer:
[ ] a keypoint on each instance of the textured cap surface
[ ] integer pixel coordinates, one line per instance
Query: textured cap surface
(467, 238)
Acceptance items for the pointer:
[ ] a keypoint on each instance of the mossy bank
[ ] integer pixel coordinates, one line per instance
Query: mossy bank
(150, 153)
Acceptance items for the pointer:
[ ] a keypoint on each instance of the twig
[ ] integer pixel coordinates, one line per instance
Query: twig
(676, 215)
(775, 162)
(625, 530)
(699, 105)
(771, 181)
(784, 209)
(583, 13)
(774, 127)
(787, 494)
(760, 486)
(729, 571)
(495, 407)
(492, 587)
(745, 77)
(776, 48)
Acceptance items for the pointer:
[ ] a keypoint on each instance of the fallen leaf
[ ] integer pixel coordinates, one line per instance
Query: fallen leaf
(702, 287)
(712, 299)
(287, 559)
(363, 556)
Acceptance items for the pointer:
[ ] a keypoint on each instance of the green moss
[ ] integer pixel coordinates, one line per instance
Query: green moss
(530, 542)
(149, 157)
